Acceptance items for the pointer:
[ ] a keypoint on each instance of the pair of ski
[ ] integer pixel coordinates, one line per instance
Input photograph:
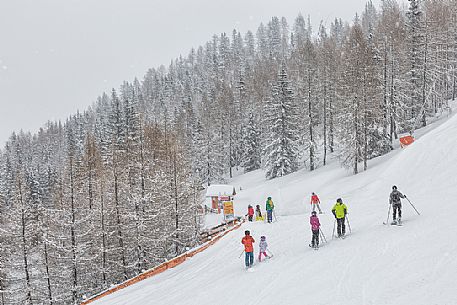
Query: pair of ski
(393, 223)
(322, 237)
(266, 258)
(251, 268)
(315, 248)
(396, 223)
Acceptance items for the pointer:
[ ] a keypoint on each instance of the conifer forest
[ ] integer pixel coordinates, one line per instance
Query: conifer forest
(117, 189)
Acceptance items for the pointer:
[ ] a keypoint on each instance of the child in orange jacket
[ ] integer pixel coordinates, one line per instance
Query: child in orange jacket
(248, 241)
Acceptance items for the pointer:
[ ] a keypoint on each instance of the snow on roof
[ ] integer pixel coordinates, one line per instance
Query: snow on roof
(220, 190)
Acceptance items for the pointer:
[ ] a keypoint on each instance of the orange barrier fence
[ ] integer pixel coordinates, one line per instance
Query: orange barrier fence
(167, 265)
(406, 140)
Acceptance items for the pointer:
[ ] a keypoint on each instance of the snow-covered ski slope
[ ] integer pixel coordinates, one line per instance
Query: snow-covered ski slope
(376, 264)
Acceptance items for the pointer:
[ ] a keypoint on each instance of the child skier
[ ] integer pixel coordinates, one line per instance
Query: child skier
(269, 207)
(258, 213)
(250, 212)
(315, 227)
(339, 210)
(395, 201)
(263, 248)
(247, 241)
(315, 202)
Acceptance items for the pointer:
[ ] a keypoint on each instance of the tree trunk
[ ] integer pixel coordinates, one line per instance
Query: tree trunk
(73, 235)
(102, 221)
(119, 224)
(24, 246)
(424, 83)
(325, 123)
(310, 117)
(48, 275)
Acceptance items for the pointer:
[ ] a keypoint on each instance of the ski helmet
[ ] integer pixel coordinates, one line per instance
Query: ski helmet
(247, 232)
(262, 237)
(394, 187)
(313, 213)
(339, 200)
(269, 198)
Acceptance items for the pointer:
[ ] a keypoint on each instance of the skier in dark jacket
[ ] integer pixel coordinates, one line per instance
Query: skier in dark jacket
(395, 201)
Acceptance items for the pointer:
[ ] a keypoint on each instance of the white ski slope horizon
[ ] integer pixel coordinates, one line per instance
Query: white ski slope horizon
(375, 265)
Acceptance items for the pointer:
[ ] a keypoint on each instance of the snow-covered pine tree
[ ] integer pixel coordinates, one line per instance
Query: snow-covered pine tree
(416, 43)
(252, 152)
(281, 118)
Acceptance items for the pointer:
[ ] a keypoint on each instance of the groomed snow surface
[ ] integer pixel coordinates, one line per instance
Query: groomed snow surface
(376, 264)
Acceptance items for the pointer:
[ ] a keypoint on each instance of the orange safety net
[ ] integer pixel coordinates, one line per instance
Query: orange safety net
(406, 140)
(163, 267)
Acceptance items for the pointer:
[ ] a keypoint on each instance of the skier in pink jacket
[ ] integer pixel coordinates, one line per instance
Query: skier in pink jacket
(315, 227)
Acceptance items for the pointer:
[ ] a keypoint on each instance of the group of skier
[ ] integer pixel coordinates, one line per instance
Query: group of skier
(339, 211)
(269, 206)
(248, 242)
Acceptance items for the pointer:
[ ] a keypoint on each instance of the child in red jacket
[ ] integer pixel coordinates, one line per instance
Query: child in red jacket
(315, 202)
(250, 212)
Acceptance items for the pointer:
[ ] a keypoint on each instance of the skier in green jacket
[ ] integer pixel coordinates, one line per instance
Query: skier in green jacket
(269, 207)
(339, 210)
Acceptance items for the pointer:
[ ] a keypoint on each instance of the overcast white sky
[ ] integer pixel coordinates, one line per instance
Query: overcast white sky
(57, 56)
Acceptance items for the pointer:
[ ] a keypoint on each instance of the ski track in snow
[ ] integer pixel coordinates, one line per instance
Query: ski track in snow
(375, 265)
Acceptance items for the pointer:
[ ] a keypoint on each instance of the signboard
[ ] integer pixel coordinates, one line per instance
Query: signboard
(228, 210)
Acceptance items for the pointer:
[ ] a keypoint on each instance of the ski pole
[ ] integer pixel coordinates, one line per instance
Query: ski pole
(323, 236)
(241, 254)
(270, 252)
(412, 206)
(349, 226)
(274, 214)
(388, 214)
(333, 233)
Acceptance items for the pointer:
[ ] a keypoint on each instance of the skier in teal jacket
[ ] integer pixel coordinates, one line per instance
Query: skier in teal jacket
(269, 207)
